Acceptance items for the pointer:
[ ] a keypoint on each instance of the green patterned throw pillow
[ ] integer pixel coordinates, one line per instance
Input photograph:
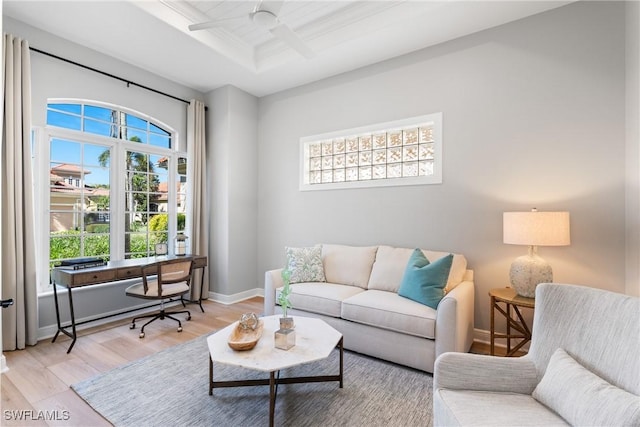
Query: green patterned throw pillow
(423, 281)
(305, 264)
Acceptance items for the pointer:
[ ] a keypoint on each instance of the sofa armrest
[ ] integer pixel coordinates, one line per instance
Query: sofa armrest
(454, 319)
(272, 281)
(464, 371)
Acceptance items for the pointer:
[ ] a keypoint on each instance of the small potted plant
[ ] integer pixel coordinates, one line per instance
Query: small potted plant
(283, 299)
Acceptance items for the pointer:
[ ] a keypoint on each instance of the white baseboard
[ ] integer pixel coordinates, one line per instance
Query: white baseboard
(3, 364)
(483, 336)
(232, 299)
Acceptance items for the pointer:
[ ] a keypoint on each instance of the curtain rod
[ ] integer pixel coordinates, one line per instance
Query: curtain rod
(128, 82)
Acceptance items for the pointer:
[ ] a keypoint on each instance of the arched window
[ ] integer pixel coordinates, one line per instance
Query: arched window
(116, 182)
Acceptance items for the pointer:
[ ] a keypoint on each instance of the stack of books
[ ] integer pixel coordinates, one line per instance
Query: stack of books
(80, 263)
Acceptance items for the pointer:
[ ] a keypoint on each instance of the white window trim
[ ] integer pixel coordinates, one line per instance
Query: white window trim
(42, 157)
(435, 178)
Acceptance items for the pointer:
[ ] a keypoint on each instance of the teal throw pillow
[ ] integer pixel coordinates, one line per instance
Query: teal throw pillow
(424, 282)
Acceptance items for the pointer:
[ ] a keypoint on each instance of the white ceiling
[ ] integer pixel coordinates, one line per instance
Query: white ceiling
(343, 35)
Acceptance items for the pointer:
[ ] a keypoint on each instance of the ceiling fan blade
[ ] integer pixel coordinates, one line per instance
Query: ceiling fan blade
(214, 23)
(286, 34)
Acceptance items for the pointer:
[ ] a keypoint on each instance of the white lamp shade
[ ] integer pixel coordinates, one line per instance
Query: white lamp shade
(533, 229)
(536, 228)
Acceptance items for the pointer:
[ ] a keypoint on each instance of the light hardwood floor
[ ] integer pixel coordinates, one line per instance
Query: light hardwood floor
(39, 377)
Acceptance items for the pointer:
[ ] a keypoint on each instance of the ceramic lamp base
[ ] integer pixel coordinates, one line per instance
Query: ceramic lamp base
(526, 272)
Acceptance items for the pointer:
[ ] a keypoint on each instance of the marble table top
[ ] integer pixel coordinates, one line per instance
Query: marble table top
(315, 340)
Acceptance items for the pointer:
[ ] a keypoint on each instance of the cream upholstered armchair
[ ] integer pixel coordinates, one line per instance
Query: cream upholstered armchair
(583, 368)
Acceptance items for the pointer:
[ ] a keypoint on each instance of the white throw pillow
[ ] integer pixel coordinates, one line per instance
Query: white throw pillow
(305, 264)
(582, 398)
(348, 265)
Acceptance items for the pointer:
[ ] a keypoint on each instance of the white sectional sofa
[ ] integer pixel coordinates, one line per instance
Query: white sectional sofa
(360, 299)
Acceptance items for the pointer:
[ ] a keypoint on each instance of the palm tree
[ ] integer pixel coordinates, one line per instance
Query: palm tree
(137, 186)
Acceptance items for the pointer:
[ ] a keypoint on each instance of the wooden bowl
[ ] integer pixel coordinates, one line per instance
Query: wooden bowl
(245, 339)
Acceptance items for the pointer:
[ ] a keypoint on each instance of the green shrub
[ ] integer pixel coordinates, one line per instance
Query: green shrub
(97, 245)
(66, 244)
(97, 228)
(159, 223)
(138, 243)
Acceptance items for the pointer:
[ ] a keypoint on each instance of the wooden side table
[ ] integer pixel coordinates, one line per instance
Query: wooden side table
(511, 300)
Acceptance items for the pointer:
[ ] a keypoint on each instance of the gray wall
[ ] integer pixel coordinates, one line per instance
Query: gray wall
(52, 78)
(233, 186)
(533, 116)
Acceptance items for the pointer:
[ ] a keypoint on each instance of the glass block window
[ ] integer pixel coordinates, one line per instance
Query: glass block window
(404, 152)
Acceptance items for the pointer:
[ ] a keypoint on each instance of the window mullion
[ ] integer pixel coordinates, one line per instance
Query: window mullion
(172, 225)
(42, 204)
(116, 215)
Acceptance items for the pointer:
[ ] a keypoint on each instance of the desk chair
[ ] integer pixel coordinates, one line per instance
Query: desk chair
(162, 281)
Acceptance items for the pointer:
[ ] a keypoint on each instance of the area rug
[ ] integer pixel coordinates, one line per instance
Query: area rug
(170, 388)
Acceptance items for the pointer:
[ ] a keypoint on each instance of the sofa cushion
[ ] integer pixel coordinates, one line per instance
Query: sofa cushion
(321, 298)
(483, 408)
(424, 281)
(390, 263)
(305, 264)
(390, 311)
(348, 265)
(582, 397)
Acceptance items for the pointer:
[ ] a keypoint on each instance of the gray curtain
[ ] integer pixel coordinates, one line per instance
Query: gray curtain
(17, 225)
(197, 176)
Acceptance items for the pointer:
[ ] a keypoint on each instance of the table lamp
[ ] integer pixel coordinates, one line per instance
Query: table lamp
(533, 229)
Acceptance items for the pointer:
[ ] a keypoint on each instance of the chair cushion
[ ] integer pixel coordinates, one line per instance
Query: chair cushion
(390, 263)
(321, 298)
(423, 281)
(583, 398)
(305, 264)
(481, 408)
(168, 290)
(388, 310)
(348, 265)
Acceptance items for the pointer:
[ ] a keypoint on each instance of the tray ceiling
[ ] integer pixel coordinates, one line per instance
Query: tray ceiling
(251, 53)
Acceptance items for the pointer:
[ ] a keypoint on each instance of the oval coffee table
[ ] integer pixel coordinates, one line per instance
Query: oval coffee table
(314, 341)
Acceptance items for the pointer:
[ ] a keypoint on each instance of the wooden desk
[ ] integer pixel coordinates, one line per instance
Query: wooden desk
(112, 272)
(511, 299)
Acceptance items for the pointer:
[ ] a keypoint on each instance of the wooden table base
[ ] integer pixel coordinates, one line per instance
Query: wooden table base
(517, 329)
